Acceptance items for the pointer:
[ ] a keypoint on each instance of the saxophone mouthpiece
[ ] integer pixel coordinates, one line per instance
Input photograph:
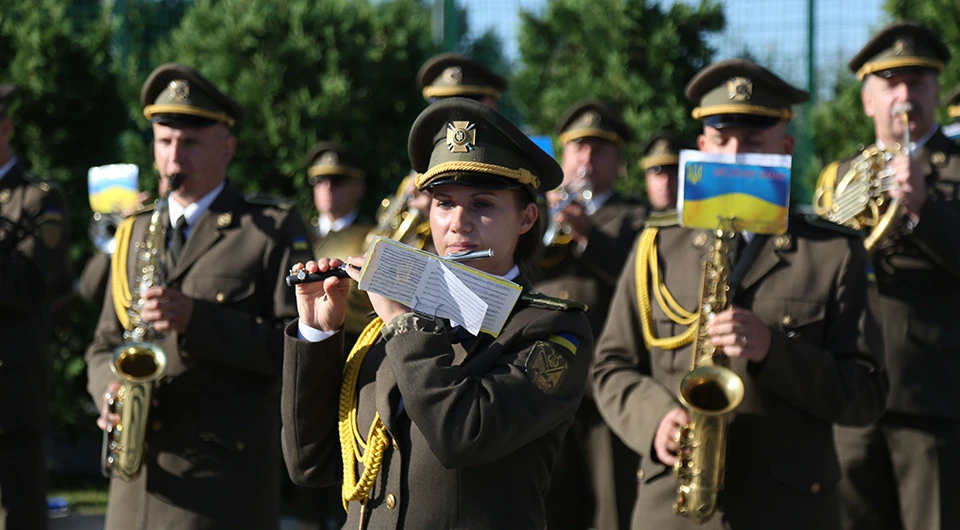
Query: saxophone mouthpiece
(901, 108)
(175, 181)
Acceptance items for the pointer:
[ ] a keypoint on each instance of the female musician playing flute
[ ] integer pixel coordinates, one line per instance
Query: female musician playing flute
(428, 427)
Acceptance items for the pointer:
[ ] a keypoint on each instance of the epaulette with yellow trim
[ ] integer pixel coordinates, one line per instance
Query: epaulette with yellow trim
(144, 208)
(816, 221)
(259, 199)
(534, 298)
(663, 219)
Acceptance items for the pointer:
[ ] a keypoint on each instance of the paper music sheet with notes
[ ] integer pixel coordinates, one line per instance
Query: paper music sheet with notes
(434, 286)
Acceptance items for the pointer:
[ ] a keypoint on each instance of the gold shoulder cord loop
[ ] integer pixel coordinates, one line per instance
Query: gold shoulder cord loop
(647, 274)
(120, 287)
(351, 443)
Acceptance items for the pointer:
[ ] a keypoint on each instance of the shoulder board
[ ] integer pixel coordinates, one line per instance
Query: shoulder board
(534, 298)
(143, 209)
(259, 199)
(819, 222)
(663, 219)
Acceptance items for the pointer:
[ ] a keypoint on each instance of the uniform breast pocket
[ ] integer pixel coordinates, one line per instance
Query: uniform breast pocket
(224, 290)
(799, 319)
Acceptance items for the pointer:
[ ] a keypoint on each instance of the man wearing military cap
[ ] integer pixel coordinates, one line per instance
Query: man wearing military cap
(661, 159)
(33, 273)
(464, 430)
(209, 457)
(595, 480)
(455, 75)
(797, 332)
(900, 472)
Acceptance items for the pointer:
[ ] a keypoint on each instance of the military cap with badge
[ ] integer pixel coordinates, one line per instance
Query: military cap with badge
(329, 160)
(177, 95)
(899, 48)
(741, 93)
(455, 75)
(661, 149)
(593, 119)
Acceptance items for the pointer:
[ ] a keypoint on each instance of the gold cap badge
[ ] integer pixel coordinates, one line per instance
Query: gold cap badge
(903, 46)
(329, 158)
(461, 136)
(453, 75)
(179, 90)
(740, 88)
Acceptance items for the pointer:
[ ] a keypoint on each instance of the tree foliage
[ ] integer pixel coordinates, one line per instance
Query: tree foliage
(308, 71)
(67, 115)
(634, 54)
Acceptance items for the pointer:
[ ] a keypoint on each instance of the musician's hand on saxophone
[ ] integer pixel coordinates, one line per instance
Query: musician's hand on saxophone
(740, 333)
(666, 440)
(167, 309)
(109, 417)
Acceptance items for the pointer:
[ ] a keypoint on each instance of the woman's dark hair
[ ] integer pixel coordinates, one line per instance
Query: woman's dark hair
(528, 245)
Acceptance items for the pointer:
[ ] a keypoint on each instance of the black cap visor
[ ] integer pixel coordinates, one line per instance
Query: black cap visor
(720, 121)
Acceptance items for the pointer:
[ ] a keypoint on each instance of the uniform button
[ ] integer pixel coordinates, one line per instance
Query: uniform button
(221, 297)
(786, 320)
(240, 447)
(565, 294)
(391, 501)
(815, 488)
(156, 426)
(639, 474)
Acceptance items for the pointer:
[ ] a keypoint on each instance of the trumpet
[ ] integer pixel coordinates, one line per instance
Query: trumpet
(103, 228)
(580, 191)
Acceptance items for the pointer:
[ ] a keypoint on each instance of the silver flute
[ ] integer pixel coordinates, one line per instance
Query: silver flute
(302, 276)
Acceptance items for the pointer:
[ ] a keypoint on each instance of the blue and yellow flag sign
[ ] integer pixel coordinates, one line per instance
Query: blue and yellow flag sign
(752, 188)
(113, 188)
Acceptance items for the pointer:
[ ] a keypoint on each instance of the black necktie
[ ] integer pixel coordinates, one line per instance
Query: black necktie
(734, 250)
(178, 239)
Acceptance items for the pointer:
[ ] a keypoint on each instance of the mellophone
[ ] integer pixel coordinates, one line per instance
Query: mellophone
(302, 276)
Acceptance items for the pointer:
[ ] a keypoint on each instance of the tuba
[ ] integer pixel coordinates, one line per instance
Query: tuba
(710, 391)
(860, 199)
(581, 191)
(138, 362)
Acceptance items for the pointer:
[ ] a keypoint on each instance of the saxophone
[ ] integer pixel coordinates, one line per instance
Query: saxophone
(397, 221)
(709, 391)
(138, 362)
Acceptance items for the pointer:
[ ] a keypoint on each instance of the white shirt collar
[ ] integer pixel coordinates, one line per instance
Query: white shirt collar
(325, 225)
(916, 145)
(4, 169)
(193, 211)
(512, 274)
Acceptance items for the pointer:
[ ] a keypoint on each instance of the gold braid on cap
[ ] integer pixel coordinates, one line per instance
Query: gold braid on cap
(521, 175)
(740, 108)
(898, 62)
(591, 132)
(351, 443)
(323, 170)
(459, 90)
(221, 117)
(659, 160)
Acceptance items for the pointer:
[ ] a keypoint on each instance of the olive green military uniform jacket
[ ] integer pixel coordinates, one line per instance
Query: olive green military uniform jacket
(823, 367)
(918, 276)
(589, 276)
(33, 271)
(350, 241)
(474, 426)
(212, 438)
